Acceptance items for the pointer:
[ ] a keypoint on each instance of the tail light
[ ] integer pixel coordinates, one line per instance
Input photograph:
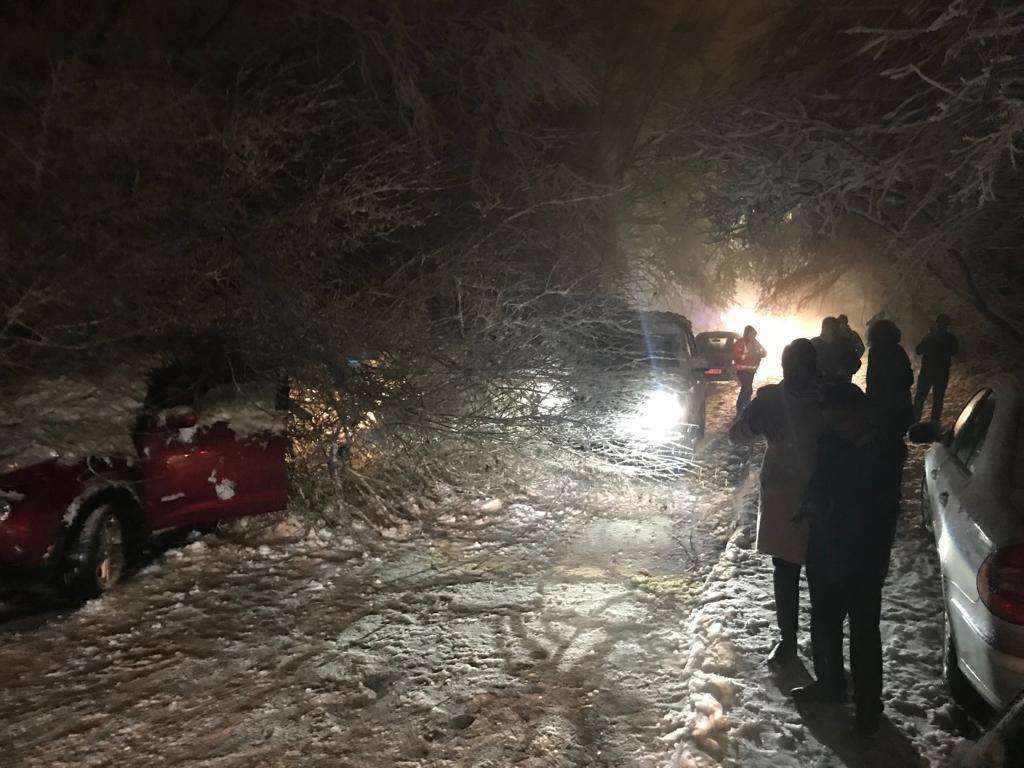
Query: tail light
(1001, 583)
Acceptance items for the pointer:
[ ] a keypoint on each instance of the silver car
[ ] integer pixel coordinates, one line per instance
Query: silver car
(973, 497)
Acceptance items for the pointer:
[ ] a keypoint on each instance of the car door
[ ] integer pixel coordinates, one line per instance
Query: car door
(963, 543)
(246, 421)
(946, 476)
(178, 460)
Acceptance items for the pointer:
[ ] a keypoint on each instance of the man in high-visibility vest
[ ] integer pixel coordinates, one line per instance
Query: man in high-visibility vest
(747, 354)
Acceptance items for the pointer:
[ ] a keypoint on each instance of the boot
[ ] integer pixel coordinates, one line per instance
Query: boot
(868, 718)
(818, 693)
(782, 655)
(867, 723)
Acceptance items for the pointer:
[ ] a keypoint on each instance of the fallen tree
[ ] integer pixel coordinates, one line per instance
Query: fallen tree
(432, 192)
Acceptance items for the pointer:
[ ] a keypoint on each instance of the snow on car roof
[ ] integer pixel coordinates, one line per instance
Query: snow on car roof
(71, 416)
(247, 407)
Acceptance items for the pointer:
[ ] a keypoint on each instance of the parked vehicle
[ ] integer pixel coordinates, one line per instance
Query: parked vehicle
(675, 404)
(715, 347)
(199, 452)
(645, 404)
(973, 498)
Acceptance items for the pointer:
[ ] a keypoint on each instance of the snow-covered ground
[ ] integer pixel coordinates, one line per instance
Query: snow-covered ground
(558, 628)
(737, 713)
(521, 631)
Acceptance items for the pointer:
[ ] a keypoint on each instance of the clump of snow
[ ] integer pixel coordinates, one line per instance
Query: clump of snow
(71, 417)
(223, 487)
(11, 495)
(173, 497)
(247, 408)
(72, 511)
(401, 531)
(289, 528)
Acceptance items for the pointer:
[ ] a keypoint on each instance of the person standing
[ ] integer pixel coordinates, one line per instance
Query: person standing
(853, 503)
(936, 349)
(889, 380)
(837, 359)
(788, 416)
(846, 332)
(747, 354)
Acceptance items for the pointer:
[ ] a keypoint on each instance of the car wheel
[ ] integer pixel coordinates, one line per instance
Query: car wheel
(99, 557)
(926, 509)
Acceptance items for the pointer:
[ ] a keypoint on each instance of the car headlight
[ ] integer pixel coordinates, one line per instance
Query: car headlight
(658, 418)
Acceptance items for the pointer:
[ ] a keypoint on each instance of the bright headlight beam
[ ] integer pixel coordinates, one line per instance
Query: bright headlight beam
(658, 418)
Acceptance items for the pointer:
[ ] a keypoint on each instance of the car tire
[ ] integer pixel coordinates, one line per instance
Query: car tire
(98, 559)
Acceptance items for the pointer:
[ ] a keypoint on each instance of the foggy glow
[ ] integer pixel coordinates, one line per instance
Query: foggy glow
(773, 331)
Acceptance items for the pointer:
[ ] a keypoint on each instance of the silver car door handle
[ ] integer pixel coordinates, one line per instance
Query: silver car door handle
(944, 498)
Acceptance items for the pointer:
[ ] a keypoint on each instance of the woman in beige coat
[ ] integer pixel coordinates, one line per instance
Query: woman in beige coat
(788, 416)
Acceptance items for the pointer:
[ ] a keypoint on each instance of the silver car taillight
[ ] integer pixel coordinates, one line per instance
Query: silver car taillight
(1001, 583)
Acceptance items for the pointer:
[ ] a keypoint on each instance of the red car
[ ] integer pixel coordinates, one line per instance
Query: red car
(200, 455)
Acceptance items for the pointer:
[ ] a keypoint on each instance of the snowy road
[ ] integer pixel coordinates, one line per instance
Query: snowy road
(560, 630)
(540, 634)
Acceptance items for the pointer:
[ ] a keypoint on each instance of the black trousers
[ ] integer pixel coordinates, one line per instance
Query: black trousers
(786, 580)
(857, 594)
(746, 379)
(934, 381)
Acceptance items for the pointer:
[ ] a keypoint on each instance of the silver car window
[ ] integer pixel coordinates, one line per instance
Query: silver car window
(969, 435)
(965, 414)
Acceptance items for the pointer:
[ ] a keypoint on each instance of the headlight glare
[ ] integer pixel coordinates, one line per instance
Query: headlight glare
(658, 418)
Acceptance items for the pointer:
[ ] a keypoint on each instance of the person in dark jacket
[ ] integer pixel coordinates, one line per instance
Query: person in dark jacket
(788, 416)
(747, 354)
(851, 335)
(837, 359)
(936, 349)
(889, 380)
(853, 504)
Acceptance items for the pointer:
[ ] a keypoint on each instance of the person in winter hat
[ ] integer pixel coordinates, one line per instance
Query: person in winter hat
(937, 350)
(889, 380)
(788, 416)
(851, 335)
(837, 358)
(747, 354)
(853, 506)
